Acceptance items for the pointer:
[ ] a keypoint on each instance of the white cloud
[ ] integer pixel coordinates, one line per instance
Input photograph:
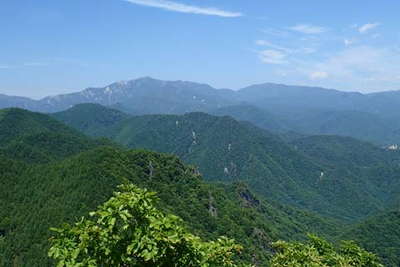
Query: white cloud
(308, 29)
(183, 8)
(361, 66)
(270, 56)
(285, 50)
(269, 44)
(318, 75)
(348, 42)
(367, 27)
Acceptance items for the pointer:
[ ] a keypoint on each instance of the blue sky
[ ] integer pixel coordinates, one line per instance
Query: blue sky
(49, 47)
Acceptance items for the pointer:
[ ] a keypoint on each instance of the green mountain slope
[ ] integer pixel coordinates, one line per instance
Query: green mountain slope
(90, 118)
(380, 234)
(370, 169)
(40, 196)
(43, 196)
(35, 137)
(227, 150)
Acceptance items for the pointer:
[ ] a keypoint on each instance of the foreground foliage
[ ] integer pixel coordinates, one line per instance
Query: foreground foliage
(318, 252)
(128, 230)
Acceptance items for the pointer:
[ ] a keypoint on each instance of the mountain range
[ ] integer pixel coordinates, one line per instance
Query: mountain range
(281, 108)
(337, 187)
(75, 178)
(320, 173)
(258, 164)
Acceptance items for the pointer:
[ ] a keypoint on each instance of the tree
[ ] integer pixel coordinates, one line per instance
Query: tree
(128, 230)
(317, 252)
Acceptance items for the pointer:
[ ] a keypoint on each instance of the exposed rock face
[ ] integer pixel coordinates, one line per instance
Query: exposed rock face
(249, 199)
(211, 208)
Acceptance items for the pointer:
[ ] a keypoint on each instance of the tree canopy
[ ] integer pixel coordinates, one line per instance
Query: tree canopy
(127, 230)
(319, 253)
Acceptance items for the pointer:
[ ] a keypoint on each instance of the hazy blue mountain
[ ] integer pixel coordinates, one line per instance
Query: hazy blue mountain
(16, 101)
(308, 110)
(143, 95)
(358, 124)
(271, 95)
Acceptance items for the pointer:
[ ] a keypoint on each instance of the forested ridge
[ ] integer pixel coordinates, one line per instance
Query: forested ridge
(59, 175)
(321, 173)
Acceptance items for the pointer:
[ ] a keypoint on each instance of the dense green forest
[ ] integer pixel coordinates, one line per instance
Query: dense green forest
(41, 195)
(338, 177)
(128, 230)
(334, 176)
(54, 174)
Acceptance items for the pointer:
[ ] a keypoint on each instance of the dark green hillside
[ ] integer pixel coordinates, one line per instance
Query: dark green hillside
(34, 137)
(16, 123)
(66, 186)
(39, 197)
(227, 150)
(344, 151)
(91, 119)
(371, 169)
(379, 234)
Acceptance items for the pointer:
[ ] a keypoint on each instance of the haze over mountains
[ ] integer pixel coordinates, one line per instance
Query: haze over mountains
(280, 108)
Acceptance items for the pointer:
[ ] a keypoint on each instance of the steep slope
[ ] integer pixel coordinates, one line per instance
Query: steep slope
(380, 234)
(227, 150)
(344, 151)
(39, 197)
(71, 183)
(368, 168)
(35, 137)
(91, 119)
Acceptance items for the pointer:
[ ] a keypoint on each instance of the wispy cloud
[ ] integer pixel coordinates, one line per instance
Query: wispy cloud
(271, 45)
(183, 8)
(278, 54)
(5, 67)
(367, 27)
(308, 29)
(361, 66)
(271, 56)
